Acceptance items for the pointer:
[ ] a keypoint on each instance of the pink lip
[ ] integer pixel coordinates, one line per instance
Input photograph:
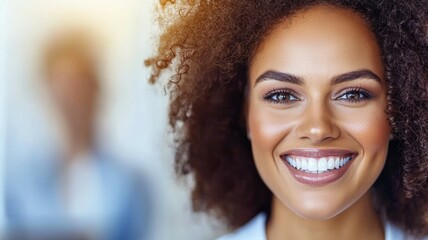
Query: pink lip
(318, 153)
(318, 179)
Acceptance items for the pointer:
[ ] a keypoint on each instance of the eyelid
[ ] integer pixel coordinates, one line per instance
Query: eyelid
(368, 95)
(351, 89)
(268, 95)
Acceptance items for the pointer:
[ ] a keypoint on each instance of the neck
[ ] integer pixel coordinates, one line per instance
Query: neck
(79, 141)
(360, 221)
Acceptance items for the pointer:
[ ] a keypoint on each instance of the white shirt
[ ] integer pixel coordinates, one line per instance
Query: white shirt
(255, 230)
(84, 191)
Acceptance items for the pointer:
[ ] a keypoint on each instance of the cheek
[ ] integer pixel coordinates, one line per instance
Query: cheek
(267, 128)
(369, 127)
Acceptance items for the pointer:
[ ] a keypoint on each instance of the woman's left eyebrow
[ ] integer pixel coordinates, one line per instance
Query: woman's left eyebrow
(358, 74)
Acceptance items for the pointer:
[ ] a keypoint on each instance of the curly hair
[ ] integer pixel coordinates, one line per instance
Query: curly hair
(207, 46)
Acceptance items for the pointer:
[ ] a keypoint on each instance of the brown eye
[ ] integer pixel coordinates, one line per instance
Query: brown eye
(355, 95)
(280, 96)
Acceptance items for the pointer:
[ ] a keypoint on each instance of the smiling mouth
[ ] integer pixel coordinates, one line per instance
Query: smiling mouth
(317, 167)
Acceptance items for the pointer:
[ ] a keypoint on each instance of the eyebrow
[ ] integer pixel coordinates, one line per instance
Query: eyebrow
(345, 77)
(359, 74)
(280, 76)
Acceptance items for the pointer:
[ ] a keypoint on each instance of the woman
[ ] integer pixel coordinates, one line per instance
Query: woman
(302, 119)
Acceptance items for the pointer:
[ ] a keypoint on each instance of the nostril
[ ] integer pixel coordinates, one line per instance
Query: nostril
(318, 131)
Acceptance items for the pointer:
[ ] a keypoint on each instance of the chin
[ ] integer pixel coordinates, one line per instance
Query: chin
(317, 211)
(317, 215)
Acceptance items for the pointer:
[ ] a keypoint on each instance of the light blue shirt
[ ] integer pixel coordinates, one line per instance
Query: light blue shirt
(106, 201)
(255, 230)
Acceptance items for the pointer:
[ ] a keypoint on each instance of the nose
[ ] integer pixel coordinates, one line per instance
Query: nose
(317, 124)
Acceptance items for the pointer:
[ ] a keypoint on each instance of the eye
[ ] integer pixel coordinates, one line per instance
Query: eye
(354, 95)
(281, 96)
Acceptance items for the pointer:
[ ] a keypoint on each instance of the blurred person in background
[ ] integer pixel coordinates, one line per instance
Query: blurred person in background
(80, 191)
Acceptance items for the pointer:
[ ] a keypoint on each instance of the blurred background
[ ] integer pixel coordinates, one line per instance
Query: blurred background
(84, 145)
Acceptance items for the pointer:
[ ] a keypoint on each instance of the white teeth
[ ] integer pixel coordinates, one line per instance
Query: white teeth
(304, 164)
(289, 160)
(346, 160)
(322, 165)
(298, 164)
(314, 165)
(330, 164)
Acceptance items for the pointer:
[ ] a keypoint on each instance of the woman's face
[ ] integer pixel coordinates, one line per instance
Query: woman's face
(316, 111)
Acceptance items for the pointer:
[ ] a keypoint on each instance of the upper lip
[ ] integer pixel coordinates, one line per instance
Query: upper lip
(318, 153)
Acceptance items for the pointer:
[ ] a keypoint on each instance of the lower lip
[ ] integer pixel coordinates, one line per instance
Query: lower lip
(318, 179)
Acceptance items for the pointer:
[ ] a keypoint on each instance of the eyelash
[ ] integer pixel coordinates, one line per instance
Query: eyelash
(277, 92)
(363, 95)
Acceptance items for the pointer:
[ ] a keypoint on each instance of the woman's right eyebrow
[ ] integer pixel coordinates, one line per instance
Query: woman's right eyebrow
(280, 76)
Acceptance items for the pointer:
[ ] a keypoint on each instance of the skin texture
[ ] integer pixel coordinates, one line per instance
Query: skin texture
(317, 45)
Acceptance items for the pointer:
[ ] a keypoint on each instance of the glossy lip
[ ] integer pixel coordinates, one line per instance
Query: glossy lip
(318, 179)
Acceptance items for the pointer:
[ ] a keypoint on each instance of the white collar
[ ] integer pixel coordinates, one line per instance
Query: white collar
(255, 230)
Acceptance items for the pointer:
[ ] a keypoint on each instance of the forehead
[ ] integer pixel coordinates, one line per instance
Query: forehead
(321, 40)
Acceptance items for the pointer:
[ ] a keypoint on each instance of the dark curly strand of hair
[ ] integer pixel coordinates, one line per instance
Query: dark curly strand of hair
(209, 45)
